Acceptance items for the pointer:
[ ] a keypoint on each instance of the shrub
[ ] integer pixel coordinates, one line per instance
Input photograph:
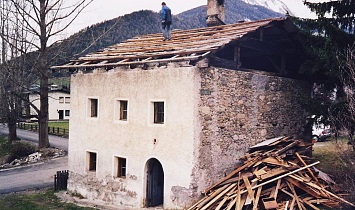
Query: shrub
(20, 149)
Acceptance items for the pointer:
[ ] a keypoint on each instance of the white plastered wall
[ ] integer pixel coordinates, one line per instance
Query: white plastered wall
(54, 105)
(137, 139)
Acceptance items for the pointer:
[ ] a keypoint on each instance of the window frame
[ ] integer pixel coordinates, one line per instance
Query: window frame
(118, 112)
(66, 100)
(158, 112)
(90, 112)
(61, 99)
(91, 158)
(123, 110)
(67, 113)
(120, 167)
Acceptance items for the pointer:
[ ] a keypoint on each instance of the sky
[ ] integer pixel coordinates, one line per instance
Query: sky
(101, 10)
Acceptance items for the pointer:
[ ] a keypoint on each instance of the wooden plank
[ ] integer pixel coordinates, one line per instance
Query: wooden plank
(187, 58)
(330, 193)
(286, 206)
(259, 173)
(284, 149)
(282, 176)
(258, 192)
(272, 173)
(231, 204)
(208, 198)
(218, 196)
(222, 203)
(238, 197)
(197, 203)
(231, 174)
(294, 194)
(310, 205)
(248, 186)
(305, 188)
(304, 164)
(277, 189)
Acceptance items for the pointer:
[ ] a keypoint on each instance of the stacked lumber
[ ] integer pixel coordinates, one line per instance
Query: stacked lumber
(275, 174)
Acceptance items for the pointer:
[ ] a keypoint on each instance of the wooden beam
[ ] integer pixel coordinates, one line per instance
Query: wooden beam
(282, 176)
(308, 169)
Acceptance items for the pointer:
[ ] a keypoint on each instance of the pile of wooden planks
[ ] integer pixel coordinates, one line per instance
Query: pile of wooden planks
(275, 175)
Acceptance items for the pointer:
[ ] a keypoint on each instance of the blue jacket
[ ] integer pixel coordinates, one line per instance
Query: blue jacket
(166, 14)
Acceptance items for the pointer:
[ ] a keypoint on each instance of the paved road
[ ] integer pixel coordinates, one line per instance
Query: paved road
(55, 141)
(33, 176)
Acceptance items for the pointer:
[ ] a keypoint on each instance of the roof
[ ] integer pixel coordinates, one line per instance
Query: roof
(186, 45)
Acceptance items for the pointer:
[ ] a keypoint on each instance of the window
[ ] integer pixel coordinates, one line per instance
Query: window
(159, 112)
(93, 103)
(120, 167)
(61, 99)
(123, 110)
(67, 100)
(92, 161)
(67, 113)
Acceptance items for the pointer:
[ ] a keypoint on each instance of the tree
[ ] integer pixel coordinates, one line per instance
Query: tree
(42, 20)
(346, 118)
(324, 40)
(10, 72)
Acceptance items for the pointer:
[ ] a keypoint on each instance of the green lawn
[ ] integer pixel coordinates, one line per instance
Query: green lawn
(63, 124)
(55, 127)
(35, 200)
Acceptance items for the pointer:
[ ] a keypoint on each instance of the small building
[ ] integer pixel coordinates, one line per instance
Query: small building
(155, 123)
(58, 104)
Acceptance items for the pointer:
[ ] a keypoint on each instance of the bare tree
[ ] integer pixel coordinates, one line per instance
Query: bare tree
(342, 113)
(43, 20)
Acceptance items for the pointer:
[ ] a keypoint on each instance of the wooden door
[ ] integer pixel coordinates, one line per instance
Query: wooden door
(155, 183)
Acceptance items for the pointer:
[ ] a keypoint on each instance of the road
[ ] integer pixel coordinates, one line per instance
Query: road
(34, 176)
(55, 141)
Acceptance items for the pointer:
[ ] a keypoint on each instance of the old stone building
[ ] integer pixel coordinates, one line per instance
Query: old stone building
(155, 123)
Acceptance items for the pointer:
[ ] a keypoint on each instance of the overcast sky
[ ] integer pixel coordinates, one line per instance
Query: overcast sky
(101, 10)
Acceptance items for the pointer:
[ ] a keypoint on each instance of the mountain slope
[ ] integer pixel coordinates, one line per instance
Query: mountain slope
(235, 11)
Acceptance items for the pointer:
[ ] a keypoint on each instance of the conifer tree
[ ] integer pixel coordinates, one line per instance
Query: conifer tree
(325, 40)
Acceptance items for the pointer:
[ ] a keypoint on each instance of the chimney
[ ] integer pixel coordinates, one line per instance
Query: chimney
(215, 12)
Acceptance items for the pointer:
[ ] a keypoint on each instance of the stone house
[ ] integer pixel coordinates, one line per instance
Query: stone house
(58, 104)
(155, 123)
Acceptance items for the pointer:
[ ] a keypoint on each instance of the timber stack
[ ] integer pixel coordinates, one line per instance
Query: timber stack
(275, 174)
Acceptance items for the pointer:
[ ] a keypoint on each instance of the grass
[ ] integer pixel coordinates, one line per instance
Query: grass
(338, 161)
(35, 200)
(4, 149)
(15, 150)
(60, 128)
(329, 153)
(63, 124)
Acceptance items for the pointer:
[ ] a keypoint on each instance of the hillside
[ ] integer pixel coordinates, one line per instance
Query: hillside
(113, 31)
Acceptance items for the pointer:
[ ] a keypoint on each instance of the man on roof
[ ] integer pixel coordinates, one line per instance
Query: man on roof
(166, 21)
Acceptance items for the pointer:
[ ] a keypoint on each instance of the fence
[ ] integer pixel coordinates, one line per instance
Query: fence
(61, 180)
(51, 130)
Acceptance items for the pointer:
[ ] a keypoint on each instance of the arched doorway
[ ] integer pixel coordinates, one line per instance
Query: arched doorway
(155, 183)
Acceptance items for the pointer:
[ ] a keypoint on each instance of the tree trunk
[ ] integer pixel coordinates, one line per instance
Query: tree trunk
(43, 68)
(43, 113)
(12, 132)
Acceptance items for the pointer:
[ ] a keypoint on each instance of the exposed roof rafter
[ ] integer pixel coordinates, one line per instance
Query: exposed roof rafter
(186, 45)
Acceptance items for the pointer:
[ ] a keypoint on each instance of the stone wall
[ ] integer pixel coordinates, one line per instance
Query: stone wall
(240, 109)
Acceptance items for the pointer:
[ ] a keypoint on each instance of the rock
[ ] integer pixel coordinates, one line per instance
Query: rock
(35, 157)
